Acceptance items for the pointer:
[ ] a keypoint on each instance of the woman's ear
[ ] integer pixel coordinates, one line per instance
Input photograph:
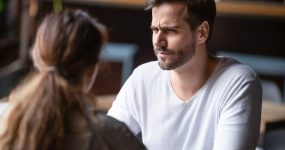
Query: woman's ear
(89, 78)
(203, 32)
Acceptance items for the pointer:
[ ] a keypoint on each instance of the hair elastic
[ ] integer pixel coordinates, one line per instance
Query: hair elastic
(47, 69)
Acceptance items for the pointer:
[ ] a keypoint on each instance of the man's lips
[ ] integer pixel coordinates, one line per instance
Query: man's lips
(163, 53)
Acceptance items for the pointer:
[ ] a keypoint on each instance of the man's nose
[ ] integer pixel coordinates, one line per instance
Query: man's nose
(160, 40)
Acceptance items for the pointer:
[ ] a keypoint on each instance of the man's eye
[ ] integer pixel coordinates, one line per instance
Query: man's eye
(171, 30)
(155, 30)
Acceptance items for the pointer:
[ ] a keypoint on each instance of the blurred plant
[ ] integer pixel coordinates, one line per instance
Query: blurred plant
(57, 5)
(1, 6)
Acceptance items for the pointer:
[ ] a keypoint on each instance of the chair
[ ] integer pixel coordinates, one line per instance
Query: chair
(264, 65)
(274, 136)
(10, 76)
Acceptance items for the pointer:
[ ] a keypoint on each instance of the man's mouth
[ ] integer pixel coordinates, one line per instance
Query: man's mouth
(163, 54)
(160, 51)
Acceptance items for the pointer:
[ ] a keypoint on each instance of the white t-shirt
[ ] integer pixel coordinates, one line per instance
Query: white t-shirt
(223, 114)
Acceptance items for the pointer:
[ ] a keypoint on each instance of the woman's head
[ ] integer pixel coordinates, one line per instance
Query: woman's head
(65, 53)
(68, 43)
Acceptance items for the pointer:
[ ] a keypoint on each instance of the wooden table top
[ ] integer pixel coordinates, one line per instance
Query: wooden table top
(271, 112)
(104, 102)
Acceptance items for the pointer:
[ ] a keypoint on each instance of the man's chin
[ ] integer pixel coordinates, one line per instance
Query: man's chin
(163, 65)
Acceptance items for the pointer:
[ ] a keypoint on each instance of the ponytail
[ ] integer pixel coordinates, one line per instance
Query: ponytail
(38, 118)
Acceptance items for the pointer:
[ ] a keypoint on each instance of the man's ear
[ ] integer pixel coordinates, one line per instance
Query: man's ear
(203, 32)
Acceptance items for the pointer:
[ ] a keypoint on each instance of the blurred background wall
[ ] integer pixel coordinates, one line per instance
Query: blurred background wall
(248, 27)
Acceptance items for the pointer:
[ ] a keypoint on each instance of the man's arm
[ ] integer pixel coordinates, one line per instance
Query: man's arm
(238, 126)
(123, 107)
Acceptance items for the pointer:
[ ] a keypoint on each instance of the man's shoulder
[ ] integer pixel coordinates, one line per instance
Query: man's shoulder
(233, 68)
(151, 67)
(148, 66)
(149, 73)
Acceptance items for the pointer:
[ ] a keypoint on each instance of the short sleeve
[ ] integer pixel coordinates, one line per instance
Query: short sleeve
(123, 107)
(238, 126)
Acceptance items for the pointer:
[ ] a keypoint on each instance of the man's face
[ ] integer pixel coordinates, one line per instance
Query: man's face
(173, 40)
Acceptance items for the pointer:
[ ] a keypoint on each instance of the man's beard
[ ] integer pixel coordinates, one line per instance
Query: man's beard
(180, 57)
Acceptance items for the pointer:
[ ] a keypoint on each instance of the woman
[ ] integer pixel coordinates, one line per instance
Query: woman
(51, 109)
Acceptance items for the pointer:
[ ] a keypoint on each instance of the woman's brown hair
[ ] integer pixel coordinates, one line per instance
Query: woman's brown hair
(67, 44)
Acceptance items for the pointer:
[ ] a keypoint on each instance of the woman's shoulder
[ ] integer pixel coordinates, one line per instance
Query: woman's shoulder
(117, 134)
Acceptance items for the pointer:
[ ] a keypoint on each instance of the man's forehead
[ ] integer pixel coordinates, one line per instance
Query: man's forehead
(174, 8)
(169, 14)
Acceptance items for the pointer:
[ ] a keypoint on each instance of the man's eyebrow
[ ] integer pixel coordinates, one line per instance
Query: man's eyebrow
(170, 27)
(165, 27)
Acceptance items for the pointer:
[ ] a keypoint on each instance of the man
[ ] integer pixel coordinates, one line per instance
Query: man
(189, 99)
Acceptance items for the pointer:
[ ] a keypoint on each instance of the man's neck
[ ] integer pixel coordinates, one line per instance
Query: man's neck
(189, 78)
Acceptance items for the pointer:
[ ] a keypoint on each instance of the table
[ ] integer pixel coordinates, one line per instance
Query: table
(104, 102)
(271, 112)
